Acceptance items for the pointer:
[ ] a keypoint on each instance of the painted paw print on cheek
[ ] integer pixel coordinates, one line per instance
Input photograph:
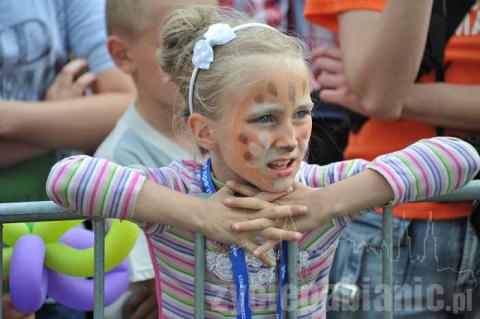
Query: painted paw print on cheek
(255, 150)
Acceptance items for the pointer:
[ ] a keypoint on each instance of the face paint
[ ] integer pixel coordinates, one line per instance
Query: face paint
(243, 138)
(248, 156)
(262, 139)
(291, 93)
(259, 99)
(272, 89)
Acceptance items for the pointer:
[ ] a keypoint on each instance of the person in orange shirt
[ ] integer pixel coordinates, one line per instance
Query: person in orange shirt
(436, 255)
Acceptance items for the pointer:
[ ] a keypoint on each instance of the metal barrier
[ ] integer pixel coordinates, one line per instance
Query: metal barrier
(44, 211)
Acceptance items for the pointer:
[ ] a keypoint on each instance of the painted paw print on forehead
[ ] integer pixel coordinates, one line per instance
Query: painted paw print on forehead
(271, 89)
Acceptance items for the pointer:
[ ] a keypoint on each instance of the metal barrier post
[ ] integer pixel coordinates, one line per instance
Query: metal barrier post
(387, 268)
(47, 211)
(199, 302)
(1, 272)
(99, 267)
(292, 298)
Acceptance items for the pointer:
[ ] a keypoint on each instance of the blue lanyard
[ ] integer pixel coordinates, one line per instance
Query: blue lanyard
(237, 258)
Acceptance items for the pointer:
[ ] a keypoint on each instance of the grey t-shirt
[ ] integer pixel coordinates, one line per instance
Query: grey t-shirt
(135, 141)
(36, 38)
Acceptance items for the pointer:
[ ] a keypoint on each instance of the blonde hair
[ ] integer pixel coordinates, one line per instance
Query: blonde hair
(253, 52)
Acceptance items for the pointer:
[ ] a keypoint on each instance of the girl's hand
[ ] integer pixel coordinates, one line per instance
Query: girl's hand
(223, 211)
(301, 195)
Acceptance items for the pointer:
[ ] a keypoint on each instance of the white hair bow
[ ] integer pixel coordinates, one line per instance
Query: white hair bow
(217, 34)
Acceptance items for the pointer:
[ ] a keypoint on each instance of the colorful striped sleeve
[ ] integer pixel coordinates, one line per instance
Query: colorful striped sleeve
(428, 168)
(95, 187)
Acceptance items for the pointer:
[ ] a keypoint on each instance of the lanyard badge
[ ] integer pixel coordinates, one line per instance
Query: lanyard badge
(239, 265)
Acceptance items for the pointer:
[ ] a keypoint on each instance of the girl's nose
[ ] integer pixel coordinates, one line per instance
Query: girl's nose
(288, 142)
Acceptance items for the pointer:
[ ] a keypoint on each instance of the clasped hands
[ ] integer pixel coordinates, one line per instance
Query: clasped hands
(273, 217)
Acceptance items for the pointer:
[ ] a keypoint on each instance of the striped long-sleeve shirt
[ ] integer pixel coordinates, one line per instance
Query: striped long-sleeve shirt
(98, 187)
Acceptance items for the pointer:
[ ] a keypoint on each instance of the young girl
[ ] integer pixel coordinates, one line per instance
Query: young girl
(249, 109)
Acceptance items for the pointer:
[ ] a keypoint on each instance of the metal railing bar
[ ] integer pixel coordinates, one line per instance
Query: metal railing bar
(292, 298)
(99, 266)
(1, 272)
(199, 301)
(471, 191)
(387, 263)
(35, 212)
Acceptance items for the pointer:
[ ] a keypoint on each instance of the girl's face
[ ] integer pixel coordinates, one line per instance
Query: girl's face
(263, 138)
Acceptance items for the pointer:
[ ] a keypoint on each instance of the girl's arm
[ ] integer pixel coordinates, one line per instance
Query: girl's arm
(428, 168)
(98, 187)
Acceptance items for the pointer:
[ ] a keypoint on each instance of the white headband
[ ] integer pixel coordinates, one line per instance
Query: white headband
(217, 34)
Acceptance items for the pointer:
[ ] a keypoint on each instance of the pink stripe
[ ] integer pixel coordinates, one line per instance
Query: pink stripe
(316, 181)
(158, 282)
(98, 179)
(175, 287)
(386, 169)
(341, 170)
(128, 197)
(177, 260)
(53, 186)
(454, 159)
(422, 170)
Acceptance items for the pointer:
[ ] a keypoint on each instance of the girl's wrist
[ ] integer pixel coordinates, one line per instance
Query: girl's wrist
(324, 206)
(197, 215)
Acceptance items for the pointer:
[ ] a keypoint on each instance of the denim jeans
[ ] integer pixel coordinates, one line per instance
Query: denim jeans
(435, 270)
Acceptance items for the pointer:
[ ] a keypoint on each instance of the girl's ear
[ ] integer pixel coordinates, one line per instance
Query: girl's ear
(202, 129)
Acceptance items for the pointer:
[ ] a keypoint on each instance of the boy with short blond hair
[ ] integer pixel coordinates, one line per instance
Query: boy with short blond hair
(145, 134)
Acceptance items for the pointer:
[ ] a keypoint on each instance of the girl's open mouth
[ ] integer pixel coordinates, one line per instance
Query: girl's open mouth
(283, 167)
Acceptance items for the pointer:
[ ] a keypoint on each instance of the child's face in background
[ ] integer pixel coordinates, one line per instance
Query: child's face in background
(149, 78)
(264, 137)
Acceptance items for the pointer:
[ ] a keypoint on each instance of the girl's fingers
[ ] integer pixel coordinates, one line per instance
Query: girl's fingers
(274, 212)
(271, 197)
(273, 233)
(265, 248)
(266, 260)
(251, 203)
(267, 228)
(263, 209)
(251, 247)
(262, 254)
(224, 192)
(254, 225)
(242, 189)
(250, 191)
(247, 245)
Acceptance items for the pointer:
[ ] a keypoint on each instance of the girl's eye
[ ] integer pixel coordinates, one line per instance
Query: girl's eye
(264, 119)
(302, 114)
